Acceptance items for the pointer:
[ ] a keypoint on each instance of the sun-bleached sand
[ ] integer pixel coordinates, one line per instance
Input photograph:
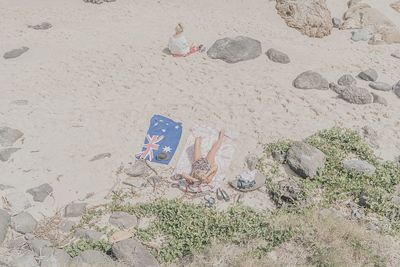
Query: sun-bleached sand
(95, 78)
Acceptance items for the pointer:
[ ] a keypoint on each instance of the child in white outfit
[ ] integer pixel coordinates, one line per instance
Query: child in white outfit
(179, 46)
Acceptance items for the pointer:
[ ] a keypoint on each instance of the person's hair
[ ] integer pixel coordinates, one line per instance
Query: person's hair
(179, 28)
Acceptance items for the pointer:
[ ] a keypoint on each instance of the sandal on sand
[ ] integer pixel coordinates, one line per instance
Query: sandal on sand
(210, 201)
(219, 194)
(225, 195)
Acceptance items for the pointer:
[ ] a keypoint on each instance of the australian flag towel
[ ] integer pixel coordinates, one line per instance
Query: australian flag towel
(161, 141)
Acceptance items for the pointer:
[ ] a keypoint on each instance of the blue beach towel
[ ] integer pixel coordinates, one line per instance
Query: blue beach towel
(163, 136)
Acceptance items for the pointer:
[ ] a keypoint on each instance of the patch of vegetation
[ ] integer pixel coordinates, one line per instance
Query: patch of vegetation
(190, 228)
(83, 244)
(339, 184)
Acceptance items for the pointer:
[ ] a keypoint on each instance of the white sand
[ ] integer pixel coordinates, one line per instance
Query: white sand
(94, 80)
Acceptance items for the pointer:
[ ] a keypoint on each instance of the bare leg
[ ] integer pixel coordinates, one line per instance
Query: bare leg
(197, 149)
(214, 149)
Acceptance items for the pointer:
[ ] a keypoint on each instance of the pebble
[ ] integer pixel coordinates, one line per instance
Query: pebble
(5, 154)
(310, 80)
(277, 56)
(23, 223)
(75, 209)
(368, 75)
(347, 80)
(5, 219)
(133, 253)
(41, 26)
(381, 86)
(40, 192)
(9, 136)
(15, 52)
(361, 35)
(123, 220)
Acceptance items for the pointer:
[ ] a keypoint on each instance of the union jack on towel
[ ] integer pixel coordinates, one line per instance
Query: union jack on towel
(163, 135)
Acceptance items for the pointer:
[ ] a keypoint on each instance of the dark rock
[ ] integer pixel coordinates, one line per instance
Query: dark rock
(380, 86)
(379, 99)
(368, 75)
(41, 192)
(396, 89)
(15, 52)
(290, 190)
(310, 80)
(277, 56)
(9, 136)
(356, 95)
(75, 209)
(336, 22)
(123, 220)
(347, 80)
(4, 224)
(101, 156)
(235, 50)
(279, 156)
(364, 200)
(305, 160)
(5, 153)
(41, 26)
(23, 223)
(133, 253)
(359, 166)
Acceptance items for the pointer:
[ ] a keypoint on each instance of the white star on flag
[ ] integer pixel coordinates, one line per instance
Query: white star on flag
(167, 149)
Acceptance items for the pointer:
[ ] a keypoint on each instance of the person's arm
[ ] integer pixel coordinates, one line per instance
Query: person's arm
(211, 174)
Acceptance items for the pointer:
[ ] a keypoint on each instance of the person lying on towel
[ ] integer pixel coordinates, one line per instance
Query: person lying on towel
(179, 46)
(204, 168)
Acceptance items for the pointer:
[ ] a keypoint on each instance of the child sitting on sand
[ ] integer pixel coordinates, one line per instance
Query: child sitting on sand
(204, 168)
(179, 46)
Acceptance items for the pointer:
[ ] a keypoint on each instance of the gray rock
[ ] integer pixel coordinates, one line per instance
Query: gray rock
(277, 56)
(396, 89)
(310, 80)
(368, 75)
(251, 162)
(52, 257)
(139, 168)
(18, 202)
(91, 258)
(133, 253)
(89, 234)
(379, 99)
(123, 220)
(40, 192)
(5, 153)
(66, 226)
(396, 200)
(305, 160)
(20, 102)
(356, 95)
(290, 190)
(37, 245)
(347, 80)
(363, 200)
(41, 26)
(380, 86)
(235, 50)
(27, 260)
(9, 136)
(75, 209)
(4, 224)
(396, 54)
(15, 52)
(360, 166)
(23, 223)
(101, 156)
(336, 22)
(361, 35)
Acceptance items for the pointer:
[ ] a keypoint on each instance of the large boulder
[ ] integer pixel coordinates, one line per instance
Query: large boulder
(305, 160)
(310, 17)
(8, 136)
(363, 16)
(310, 80)
(133, 253)
(4, 224)
(232, 50)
